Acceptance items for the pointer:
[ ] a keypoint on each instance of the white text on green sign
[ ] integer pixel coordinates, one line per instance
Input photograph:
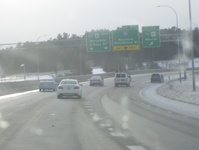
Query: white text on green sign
(98, 41)
(150, 36)
(126, 38)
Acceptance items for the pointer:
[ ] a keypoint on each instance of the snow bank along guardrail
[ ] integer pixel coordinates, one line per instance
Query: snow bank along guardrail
(14, 87)
(20, 86)
(181, 91)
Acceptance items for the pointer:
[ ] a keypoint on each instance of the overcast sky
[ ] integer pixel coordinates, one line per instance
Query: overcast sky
(26, 20)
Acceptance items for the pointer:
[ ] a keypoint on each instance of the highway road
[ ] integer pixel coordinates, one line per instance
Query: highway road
(106, 118)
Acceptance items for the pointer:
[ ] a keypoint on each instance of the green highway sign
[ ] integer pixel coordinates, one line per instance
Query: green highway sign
(126, 38)
(98, 41)
(150, 36)
(130, 27)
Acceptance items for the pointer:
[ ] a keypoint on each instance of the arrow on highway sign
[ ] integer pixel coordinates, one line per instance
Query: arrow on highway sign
(151, 36)
(98, 41)
(151, 44)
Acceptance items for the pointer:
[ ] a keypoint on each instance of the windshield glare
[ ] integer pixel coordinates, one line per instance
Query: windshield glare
(99, 74)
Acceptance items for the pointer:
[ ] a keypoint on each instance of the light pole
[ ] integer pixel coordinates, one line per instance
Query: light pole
(191, 47)
(24, 70)
(38, 55)
(197, 28)
(177, 33)
(80, 56)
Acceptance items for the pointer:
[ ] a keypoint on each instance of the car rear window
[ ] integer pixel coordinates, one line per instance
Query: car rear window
(96, 77)
(120, 75)
(47, 80)
(69, 82)
(155, 75)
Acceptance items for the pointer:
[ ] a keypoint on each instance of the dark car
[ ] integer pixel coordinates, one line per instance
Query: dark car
(157, 78)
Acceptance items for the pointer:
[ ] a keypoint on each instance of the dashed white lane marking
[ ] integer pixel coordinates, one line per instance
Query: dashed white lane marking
(102, 125)
(110, 129)
(91, 110)
(92, 114)
(52, 114)
(105, 125)
(117, 134)
(136, 148)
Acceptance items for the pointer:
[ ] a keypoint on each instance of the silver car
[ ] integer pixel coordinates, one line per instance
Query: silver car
(47, 84)
(96, 80)
(69, 87)
(122, 78)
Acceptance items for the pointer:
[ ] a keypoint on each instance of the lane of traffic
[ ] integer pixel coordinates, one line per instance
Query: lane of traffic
(148, 123)
(41, 121)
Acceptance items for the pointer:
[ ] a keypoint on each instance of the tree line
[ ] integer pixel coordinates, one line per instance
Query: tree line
(68, 52)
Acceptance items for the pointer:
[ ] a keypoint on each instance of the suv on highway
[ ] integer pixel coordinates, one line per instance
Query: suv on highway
(156, 77)
(122, 78)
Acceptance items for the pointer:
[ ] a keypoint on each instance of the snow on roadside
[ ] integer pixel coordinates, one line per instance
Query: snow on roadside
(98, 71)
(181, 91)
(28, 78)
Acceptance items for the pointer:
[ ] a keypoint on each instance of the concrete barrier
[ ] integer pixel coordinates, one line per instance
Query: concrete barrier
(14, 87)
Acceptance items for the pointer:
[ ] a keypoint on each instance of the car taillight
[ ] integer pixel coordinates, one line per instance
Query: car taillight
(114, 79)
(77, 87)
(126, 79)
(60, 87)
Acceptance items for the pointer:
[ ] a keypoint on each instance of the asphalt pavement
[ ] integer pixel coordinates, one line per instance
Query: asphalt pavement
(105, 118)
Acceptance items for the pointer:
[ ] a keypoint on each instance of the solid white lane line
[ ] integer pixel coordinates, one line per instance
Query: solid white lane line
(136, 148)
(17, 94)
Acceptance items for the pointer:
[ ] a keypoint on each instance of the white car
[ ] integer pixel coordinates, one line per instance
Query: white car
(122, 78)
(69, 87)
